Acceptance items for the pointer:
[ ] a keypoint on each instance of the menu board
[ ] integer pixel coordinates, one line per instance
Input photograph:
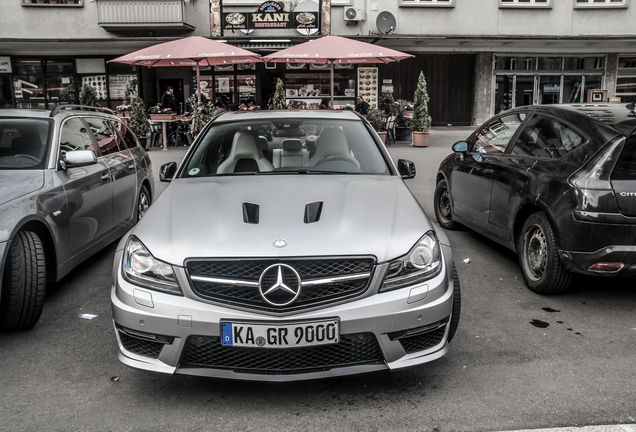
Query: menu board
(368, 85)
(98, 82)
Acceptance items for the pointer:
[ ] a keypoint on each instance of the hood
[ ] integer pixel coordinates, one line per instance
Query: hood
(15, 183)
(360, 215)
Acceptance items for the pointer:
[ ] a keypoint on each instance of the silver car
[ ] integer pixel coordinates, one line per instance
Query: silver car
(286, 247)
(71, 182)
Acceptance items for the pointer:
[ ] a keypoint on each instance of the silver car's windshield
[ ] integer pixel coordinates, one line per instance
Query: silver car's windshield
(23, 143)
(285, 147)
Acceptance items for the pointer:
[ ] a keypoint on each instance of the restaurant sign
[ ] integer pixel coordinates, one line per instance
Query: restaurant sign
(270, 15)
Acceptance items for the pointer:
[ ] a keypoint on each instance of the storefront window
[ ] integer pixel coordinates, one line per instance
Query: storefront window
(246, 87)
(549, 89)
(5, 91)
(584, 63)
(626, 79)
(515, 63)
(28, 83)
(591, 82)
(503, 93)
(550, 63)
(224, 87)
(572, 89)
(524, 94)
(121, 77)
(60, 82)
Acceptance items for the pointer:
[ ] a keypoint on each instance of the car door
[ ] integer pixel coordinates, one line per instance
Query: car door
(120, 162)
(472, 177)
(88, 190)
(529, 168)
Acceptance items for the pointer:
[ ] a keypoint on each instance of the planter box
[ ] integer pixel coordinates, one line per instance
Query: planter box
(402, 134)
(162, 116)
(123, 114)
(420, 139)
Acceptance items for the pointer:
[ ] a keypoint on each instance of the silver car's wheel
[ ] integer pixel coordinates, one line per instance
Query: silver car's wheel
(538, 256)
(24, 283)
(143, 202)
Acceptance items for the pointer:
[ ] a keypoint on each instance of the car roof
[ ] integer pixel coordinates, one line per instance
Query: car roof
(232, 116)
(62, 110)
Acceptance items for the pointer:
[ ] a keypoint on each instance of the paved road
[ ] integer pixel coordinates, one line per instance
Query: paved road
(502, 372)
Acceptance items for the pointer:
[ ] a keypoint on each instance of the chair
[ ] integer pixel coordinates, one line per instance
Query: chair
(182, 131)
(244, 156)
(155, 133)
(331, 142)
(390, 129)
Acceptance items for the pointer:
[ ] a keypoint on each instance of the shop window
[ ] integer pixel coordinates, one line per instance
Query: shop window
(584, 63)
(550, 63)
(428, 3)
(121, 77)
(515, 63)
(60, 82)
(572, 89)
(626, 79)
(600, 3)
(525, 3)
(591, 82)
(28, 83)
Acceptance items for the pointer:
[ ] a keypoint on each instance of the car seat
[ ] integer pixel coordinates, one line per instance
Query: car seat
(244, 156)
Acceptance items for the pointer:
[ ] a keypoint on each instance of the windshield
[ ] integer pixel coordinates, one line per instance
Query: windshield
(23, 143)
(285, 147)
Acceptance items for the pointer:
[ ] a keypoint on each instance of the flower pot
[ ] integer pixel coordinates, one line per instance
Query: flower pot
(162, 116)
(408, 114)
(402, 133)
(420, 139)
(382, 136)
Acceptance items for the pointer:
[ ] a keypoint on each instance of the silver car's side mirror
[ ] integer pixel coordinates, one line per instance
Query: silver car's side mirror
(80, 158)
(167, 171)
(406, 168)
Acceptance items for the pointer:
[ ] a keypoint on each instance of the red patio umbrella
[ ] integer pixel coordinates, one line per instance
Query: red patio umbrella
(191, 51)
(336, 50)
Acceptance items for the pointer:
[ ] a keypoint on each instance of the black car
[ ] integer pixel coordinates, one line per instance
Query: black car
(554, 183)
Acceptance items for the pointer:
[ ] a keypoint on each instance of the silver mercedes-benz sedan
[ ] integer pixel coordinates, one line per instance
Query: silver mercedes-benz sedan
(286, 247)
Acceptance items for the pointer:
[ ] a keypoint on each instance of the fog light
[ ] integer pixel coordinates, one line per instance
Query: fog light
(606, 267)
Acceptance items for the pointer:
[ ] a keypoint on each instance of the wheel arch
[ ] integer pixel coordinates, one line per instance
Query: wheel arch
(46, 237)
(528, 208)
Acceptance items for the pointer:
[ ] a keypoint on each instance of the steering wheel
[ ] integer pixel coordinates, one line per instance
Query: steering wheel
(33, 158)
(339, 158)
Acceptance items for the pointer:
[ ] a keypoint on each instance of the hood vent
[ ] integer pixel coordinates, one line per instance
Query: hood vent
(312, 212)
(250, 213)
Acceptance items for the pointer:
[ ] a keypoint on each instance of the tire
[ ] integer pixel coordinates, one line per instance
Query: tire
(24, 283)
(541, 266)
(143, 202)
(457, 306)
(444, 206)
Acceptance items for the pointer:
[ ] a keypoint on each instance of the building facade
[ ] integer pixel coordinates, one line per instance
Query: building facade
(479, 56)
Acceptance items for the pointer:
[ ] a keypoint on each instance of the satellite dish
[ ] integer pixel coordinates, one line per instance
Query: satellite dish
(386, 22)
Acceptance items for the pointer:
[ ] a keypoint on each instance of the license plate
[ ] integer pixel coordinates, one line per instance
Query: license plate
(280, 335)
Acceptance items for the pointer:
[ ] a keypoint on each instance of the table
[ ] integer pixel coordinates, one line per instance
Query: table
(164, 134)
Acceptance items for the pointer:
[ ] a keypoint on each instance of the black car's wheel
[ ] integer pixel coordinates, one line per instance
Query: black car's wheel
(444, 206)
(24, 283)
(457, 306)
(541, 266)
(143, 202)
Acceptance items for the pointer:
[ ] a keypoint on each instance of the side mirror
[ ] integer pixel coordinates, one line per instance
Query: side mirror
(406, 168)
(80, 158)
(167, 171)
(460, 147)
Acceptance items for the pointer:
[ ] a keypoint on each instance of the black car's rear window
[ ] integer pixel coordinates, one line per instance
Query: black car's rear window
(625, 168)
(24, 143)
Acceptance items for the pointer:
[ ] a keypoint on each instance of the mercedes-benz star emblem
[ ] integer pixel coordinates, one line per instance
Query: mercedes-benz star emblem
(280, 243)
(279, 285)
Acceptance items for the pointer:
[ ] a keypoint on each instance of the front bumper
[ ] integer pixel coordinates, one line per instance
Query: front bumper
(181, 334)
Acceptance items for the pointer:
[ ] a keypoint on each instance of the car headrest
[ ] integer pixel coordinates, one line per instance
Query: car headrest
(292, 144)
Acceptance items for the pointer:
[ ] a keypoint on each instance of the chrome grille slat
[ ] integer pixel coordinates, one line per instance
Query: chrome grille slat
(324, 280)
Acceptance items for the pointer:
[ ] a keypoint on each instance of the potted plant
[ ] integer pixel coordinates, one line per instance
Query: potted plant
(123, 110)
(386, 104)
(402, 123)
(278, 101)
(137, 121)
(408, 109)
(421, 121)
(158, 113)
(377, 120)
(201, 114)
(88, 96)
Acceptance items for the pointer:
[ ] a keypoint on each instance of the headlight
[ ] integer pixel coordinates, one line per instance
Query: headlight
(423, 262)
(141, 268)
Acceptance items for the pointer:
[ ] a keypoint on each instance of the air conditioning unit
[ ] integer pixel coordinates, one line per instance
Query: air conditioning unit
(353, 13)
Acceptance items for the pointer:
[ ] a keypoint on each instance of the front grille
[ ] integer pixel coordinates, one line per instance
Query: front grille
(352, 350)
(240, 278)
(141, 347)
(422, 341)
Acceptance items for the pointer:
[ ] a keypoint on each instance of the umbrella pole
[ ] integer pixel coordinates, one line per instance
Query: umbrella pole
(332, 85)
(198, 83)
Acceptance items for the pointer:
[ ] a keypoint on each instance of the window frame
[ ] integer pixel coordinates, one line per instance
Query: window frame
(595, 4)
(530, 4)
(428, 3)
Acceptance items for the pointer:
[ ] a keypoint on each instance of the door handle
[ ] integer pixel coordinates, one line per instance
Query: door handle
(105, 176)
(488, 171)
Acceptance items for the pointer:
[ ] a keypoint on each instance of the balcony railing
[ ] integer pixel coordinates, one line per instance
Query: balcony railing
(127, 14)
